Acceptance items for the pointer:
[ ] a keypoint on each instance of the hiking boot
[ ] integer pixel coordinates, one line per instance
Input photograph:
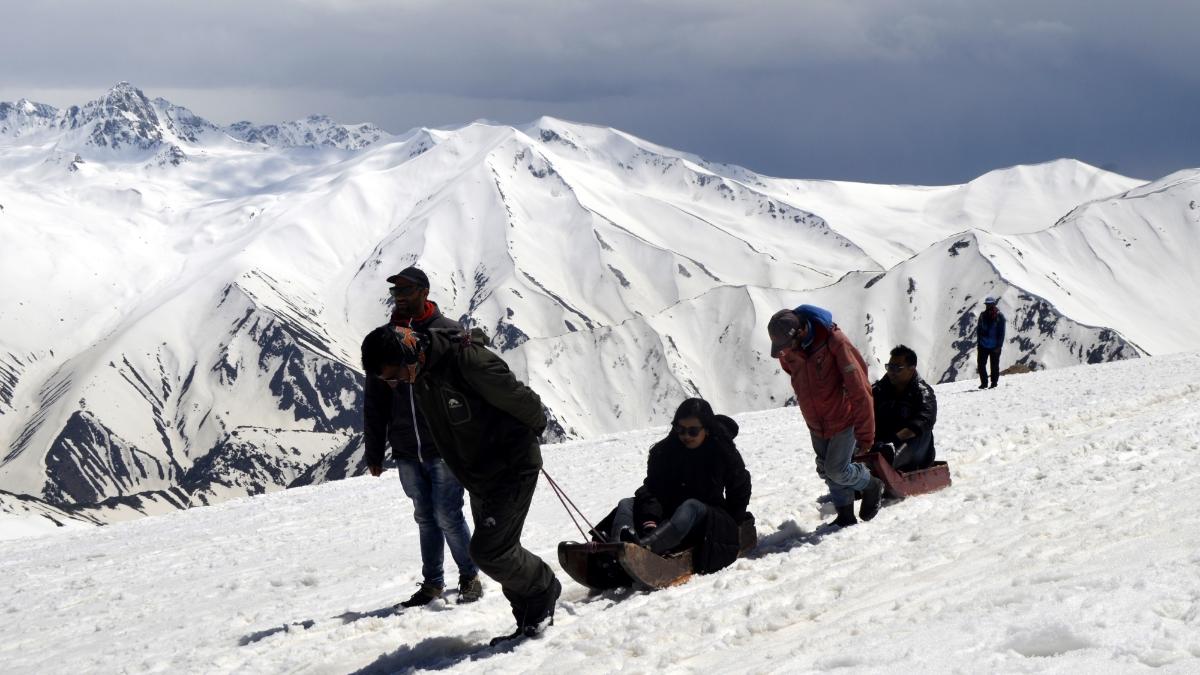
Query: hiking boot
(535, 614)
(871, 496)
(983, 386)
(845, 517)
(662, 539)
(470, 589)
(426, 594)
(627, 535)
(993, 386)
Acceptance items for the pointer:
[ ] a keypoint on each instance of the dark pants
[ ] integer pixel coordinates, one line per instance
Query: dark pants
(985, 356)
(915, 453)
(496, 544)
(670, 534)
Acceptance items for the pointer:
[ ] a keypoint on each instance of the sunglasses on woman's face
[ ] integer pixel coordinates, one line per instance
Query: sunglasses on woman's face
(691, 432)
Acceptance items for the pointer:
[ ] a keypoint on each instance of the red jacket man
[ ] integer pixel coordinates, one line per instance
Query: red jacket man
(830, 380)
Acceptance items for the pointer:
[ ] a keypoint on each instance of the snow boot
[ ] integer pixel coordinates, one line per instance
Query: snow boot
(871, 496)
(470, 589)
(534, 616)
(662, 539)
(426, 594)
(845, 517)
(627, 535)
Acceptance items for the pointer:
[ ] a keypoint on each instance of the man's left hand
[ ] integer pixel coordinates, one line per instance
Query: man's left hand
(862, 450)
(905, 434)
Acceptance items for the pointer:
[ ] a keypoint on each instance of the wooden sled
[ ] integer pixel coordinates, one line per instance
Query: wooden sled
(901, 484)
(604, 565)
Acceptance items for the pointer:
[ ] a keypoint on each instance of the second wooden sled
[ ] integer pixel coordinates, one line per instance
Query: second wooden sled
(901, 484)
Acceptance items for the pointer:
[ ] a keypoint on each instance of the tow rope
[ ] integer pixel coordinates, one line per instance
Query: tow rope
(571, 509)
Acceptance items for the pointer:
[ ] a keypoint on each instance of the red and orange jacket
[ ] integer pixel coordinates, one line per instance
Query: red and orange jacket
(830, 381)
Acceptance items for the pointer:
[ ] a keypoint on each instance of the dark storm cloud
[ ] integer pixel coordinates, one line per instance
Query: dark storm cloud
(918, 91)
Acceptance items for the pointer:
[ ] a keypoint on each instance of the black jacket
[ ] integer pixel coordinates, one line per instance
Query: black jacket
(713, 473)
(914, 407)
(391, 416)
(989, 331)
(484, 420)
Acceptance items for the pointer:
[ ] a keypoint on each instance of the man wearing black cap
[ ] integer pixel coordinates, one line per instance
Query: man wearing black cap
(989, 340)
(829, 377)
(486, 423)
(392, 416)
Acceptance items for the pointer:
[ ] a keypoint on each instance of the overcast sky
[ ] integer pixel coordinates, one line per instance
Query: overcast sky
(912, 91)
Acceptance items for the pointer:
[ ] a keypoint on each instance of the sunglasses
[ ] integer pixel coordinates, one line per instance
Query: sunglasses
(389, 381)
(895, 367)
(404, 291)
(690, 432)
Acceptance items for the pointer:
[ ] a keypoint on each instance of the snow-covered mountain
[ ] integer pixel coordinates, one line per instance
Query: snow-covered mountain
(1066, 544)
(189, 330)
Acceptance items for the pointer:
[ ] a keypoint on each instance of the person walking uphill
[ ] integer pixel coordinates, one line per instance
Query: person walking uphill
(486, 424)
(989, 340)
(391, 416)
(830, 380)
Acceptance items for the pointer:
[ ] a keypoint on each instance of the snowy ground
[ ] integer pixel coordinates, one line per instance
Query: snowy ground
(1068, 543)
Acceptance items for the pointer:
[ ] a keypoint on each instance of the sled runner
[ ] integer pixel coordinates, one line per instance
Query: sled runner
(901, 484)
(604, 565)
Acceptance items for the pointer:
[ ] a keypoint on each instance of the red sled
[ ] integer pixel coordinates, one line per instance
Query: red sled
(901, 484)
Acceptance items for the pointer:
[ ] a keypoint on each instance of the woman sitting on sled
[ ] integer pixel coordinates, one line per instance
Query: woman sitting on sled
(695, 493)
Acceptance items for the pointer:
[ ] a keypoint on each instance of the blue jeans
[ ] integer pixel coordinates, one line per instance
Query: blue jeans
(834, 466)
(622, 518)
(437, 499)
(917, 452)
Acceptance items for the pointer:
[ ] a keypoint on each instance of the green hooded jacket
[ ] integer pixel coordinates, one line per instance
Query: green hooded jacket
(484, 420)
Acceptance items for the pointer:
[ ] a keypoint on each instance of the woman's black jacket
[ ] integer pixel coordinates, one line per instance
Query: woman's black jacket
(713, 473)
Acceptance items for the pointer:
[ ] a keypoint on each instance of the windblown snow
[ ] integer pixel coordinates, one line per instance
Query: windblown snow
(1067, 543)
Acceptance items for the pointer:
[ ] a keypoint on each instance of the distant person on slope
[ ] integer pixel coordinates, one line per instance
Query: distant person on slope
(989, 337)
(830, 380)
(695, 492)
(391, 416)
(905, 411)
(486, 424)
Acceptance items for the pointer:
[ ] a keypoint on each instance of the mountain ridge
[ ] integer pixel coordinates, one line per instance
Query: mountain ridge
(615, 275)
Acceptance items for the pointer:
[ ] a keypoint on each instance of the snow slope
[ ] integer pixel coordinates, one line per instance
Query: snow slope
(184, 287)
(1067, 543)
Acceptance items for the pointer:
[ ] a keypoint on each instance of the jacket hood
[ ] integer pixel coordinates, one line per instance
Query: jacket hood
(814, 313)
(442, 340)
(731, 427)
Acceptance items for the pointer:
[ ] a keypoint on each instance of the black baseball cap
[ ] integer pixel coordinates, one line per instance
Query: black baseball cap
(782, 328)
(412, 275)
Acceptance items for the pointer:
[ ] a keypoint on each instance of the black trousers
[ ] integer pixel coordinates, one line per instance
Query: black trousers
(985, 356)
(496, 542)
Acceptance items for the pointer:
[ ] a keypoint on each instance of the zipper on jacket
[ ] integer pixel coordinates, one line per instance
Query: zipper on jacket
(412, 407)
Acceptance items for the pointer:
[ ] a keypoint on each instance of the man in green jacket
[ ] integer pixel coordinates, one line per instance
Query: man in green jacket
(486, 425)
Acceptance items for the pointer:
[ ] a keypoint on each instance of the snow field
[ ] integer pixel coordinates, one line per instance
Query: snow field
(1067, 543)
